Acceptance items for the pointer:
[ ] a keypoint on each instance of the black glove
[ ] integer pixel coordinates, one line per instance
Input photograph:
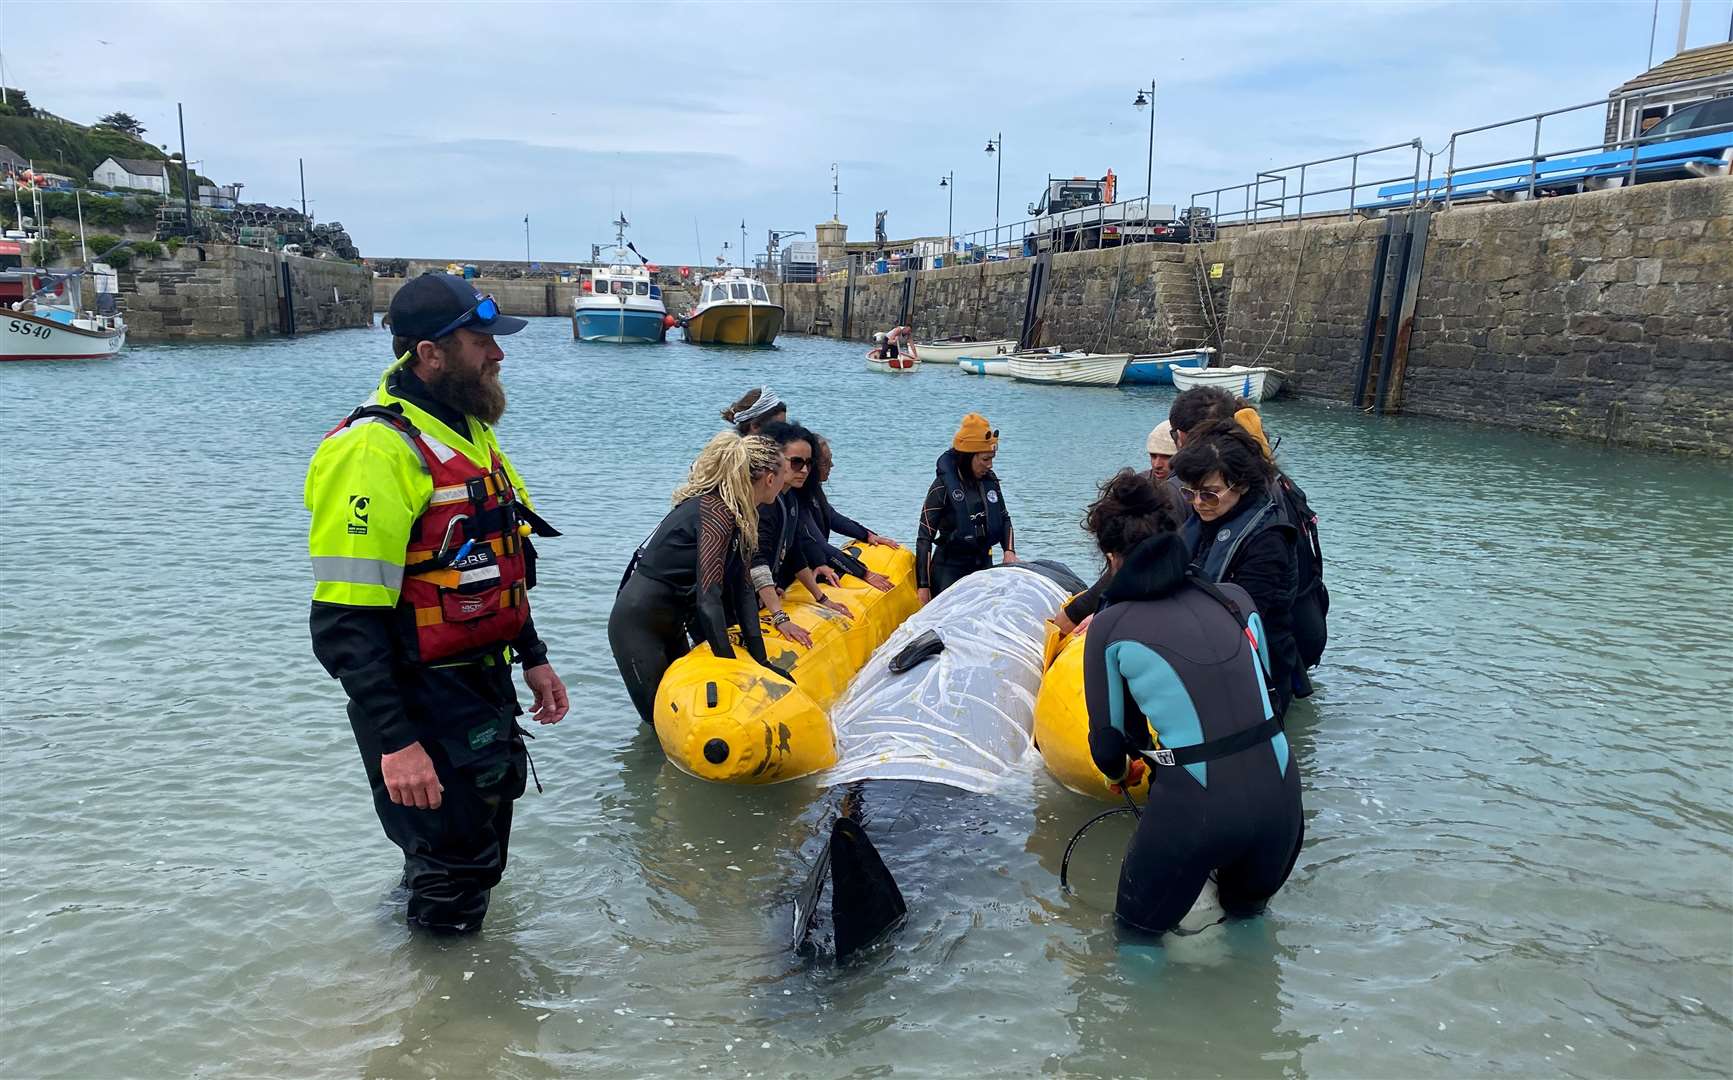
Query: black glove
(1110, 750)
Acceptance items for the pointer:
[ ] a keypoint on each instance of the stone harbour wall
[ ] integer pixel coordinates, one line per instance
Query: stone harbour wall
(226, 291)
(1606, 315)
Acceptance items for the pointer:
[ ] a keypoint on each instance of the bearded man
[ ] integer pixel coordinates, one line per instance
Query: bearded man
(422, 566)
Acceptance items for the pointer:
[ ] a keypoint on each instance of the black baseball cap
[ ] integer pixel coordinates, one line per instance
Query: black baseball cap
(428, 305)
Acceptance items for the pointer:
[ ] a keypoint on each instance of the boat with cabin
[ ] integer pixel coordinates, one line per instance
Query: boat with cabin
(1156, 369)
(41, 315)
(621, 303)
(733, 309)
(1070, 368)
(1252, 383)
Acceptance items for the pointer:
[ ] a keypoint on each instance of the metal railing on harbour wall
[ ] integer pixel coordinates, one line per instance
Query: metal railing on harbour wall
(1083, 229)
(1284, 194)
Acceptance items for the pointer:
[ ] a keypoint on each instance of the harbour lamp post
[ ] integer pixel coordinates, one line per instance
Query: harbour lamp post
(1149, 166)
(526, 245)
(996, 147)
(946, 181)
(743, 244)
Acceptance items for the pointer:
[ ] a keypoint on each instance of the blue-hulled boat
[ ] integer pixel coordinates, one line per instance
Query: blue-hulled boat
(620, 303)
(1156, 369)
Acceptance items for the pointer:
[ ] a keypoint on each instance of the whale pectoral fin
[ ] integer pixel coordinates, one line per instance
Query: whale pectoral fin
(806, 902)
(865, 902)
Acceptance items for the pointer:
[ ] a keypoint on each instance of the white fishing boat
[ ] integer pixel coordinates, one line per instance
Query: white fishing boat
(48, 323)
(1252, 383)
(889, 363)
(1070, 368)
(943, 352)
(620, 303)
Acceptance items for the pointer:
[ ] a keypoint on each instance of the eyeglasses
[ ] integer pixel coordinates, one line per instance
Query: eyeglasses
(486, 310)
(1202, 496)
(800, 463)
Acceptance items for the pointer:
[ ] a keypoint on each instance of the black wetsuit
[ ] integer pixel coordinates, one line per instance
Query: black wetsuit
(962, 520)
(464, 715)
(1170, 655)
(688, 581)
(784, 549)
(818, 519)
(1253, 547)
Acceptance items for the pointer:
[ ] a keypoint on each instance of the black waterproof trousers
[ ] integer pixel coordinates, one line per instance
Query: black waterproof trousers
(647, 631)
(950, 567)
(455, 854)
(1246, 826)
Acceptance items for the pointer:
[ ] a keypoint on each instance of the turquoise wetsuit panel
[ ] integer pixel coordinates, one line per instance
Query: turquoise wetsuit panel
(1261, 665)
(1160, 693)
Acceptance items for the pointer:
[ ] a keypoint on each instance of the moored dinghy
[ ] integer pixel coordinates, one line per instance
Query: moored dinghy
(1252, 383)
(1156, 369)
(943, 352)
(1070, 368)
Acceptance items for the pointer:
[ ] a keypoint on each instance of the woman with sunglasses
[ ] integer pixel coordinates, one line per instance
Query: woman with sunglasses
(784, 554)
(1240, 533)
(691, 572)
(964, 515)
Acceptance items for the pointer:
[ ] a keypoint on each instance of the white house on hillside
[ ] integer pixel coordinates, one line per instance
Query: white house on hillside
(132, 174)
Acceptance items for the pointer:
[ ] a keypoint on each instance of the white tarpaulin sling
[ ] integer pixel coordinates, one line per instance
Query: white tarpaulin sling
(965, 717)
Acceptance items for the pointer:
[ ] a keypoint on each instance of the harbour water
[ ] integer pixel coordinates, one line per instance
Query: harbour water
(1517, 784)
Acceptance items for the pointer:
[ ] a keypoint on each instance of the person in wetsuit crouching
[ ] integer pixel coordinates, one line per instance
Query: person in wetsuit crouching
(691, 572)
(1177, 657)
(964, 515)
(786, 553)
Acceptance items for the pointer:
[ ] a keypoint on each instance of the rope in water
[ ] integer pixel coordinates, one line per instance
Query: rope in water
(1065, 862)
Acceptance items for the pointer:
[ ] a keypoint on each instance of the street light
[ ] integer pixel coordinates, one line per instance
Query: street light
(996, 147)
(950, 214)
(1149, 166)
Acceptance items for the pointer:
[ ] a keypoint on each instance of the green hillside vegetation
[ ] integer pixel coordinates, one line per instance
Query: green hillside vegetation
(70, 149)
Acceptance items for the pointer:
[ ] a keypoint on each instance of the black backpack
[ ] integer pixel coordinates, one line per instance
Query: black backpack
(1311, 598)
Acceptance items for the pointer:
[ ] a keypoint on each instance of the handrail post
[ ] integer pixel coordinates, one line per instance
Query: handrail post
(1414, 184)
(1300, 212)
(1353, 181)
(1449, 172)
(1534, 159)
(1636, 134)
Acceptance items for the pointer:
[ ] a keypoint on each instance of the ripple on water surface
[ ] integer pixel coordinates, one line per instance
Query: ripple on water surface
(1517, 794)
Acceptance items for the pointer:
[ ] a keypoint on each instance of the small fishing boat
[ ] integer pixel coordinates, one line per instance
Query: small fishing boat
(889, 363)
(1156, 369)
(1252, 383)
(949, 349)
(49, 325)
(733, 309)
(620, 303)
(1070, 368)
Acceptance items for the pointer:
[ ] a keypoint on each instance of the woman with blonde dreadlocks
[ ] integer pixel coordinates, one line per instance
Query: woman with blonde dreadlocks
(688, 580)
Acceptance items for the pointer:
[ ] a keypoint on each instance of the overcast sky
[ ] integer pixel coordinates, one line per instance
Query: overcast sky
(431, 129)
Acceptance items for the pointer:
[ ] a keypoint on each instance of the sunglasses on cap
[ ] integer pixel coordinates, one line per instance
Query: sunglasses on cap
(486, 310)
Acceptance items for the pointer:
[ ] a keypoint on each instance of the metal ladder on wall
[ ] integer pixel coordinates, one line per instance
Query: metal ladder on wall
(1390, 325)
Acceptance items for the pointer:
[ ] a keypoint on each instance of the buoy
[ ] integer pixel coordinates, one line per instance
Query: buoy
(669, 322)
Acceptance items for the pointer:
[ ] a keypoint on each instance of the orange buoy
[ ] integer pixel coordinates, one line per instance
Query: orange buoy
(669, 322)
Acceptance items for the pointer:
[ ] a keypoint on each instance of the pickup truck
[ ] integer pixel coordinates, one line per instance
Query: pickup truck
(1075, 213)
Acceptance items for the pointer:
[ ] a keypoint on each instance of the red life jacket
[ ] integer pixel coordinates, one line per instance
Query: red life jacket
(469, 566)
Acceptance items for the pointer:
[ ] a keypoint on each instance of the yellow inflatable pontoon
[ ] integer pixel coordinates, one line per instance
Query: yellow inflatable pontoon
(1062, 721)
(736, 722)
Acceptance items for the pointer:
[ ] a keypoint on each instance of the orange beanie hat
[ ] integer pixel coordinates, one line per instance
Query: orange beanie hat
(975, 436)
(1254, 425)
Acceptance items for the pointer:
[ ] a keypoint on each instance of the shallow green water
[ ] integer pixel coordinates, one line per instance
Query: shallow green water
(1517, 778)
